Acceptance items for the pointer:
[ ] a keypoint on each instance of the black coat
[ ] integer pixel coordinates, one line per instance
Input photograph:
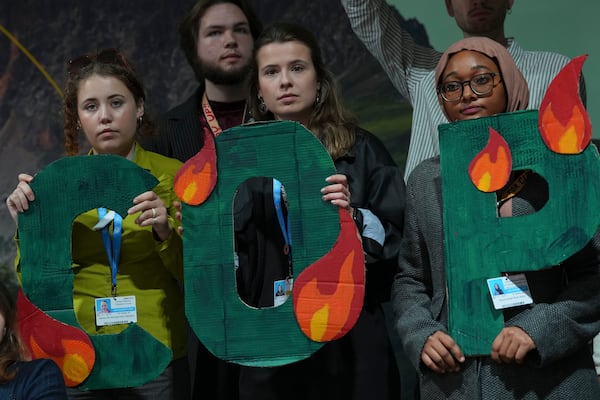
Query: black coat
(376, 184)
(180, 135)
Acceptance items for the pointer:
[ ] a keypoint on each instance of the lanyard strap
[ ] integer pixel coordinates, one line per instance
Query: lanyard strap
(211, 118)
(113, 249)
(284, 225)
(515, 187)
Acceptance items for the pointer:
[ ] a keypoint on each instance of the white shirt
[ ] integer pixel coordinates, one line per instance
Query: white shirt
(410, 67)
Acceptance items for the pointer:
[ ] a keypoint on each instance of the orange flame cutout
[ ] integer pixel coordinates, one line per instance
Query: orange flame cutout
(75, 367)
(563, 121)
(490, 168)
(196, 179)
(69, 347)
(328, 294)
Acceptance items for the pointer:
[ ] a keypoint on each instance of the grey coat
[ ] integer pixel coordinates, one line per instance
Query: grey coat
(561, 323)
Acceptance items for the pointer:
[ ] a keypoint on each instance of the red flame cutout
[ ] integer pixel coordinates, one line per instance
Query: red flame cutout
(490, 168)
(196, 179)
(69, 347)
(563, 121)
(328, 294)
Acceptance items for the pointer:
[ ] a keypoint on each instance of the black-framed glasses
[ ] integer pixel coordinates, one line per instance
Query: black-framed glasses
(480, 84)
(106, 56)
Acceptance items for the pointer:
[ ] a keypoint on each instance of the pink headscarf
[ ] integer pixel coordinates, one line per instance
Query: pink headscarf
(517, 91)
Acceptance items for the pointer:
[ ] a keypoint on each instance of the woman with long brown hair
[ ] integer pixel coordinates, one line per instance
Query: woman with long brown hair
(289, 80)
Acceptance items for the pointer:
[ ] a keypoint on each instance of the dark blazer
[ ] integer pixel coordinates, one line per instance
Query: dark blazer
(561, 323)
(180, 135)
(39, 379)
(376, 184)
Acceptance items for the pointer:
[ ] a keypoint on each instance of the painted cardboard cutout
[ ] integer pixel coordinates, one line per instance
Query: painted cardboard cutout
(63, 190)
(478, 244)
(69, 347)
(327, 298)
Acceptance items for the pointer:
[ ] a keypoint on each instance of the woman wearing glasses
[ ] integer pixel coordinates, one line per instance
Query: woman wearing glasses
(477, 77)
(104, 99)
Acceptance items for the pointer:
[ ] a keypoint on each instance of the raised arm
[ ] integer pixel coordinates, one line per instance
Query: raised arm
(377, 25)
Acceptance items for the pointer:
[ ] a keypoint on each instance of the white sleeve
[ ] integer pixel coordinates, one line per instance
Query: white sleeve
(377, 25)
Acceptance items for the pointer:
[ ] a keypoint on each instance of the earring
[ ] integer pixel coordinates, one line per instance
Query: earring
(140, 119)
(262, 107)
(318, 98)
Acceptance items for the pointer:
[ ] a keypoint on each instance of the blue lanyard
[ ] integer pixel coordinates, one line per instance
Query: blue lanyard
(113, 250)
(284, 225)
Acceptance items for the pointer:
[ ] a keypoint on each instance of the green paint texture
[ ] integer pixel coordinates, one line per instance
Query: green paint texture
(479, 245)
(228, 327)
(63, 190)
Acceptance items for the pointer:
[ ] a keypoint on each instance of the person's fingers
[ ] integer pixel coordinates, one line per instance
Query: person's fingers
(496, 346)
(443, 351)
(520, 354)
(20, 197)
(432, 365)
(337, 178)
(511, 345)
(337, 194)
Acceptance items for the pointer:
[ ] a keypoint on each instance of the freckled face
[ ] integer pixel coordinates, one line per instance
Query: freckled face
(108, 114)
(463, 66)
(287, 80)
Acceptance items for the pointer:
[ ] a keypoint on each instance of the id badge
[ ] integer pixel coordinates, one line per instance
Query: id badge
(279, 293)
(509, 291)
(115, 310)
